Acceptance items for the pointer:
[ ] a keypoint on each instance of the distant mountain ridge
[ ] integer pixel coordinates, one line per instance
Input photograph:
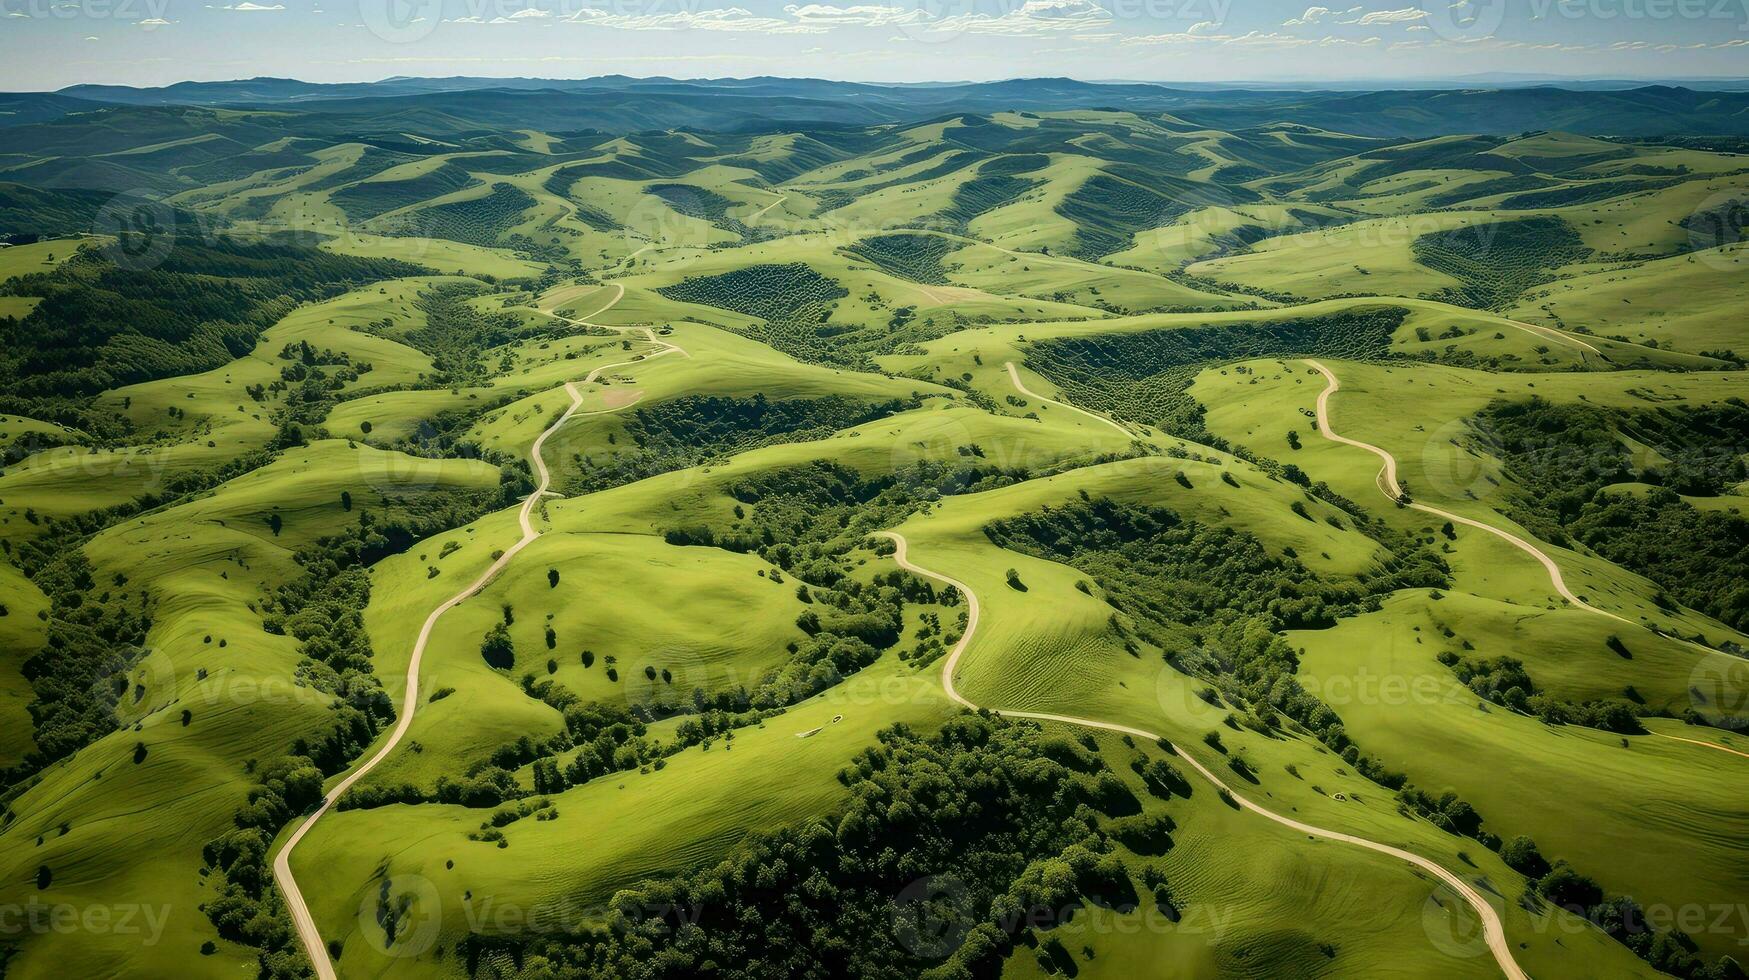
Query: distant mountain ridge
(622, 104)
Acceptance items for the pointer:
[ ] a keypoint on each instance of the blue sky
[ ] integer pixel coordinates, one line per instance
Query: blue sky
(46, 44)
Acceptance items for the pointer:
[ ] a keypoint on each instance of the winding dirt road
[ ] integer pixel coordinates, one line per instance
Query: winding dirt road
(308, 933)
(1014, 376)
(1493, 930)
(1388, 485)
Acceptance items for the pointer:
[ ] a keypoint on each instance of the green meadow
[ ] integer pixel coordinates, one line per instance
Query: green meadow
(477, 529)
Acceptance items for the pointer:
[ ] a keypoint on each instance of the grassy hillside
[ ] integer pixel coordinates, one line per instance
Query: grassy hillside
(466, 544)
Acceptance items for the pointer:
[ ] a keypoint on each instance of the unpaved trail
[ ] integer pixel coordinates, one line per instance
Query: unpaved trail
(1014, 376)
(1696, 741)
(1493, 930)
(1388, 485)
(755, 216)
(302, 919)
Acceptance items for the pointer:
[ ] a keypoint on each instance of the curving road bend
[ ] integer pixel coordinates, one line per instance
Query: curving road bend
(302, 919)
(1493, 930)
(1388, 485)
(1014, 376)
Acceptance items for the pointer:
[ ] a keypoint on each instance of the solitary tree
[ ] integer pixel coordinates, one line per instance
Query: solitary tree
(1522, 855)
(498, 650)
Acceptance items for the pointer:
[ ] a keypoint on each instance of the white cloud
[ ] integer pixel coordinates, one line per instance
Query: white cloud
(1313, 15)
(1034, 18)
(826, 15)
(156, 22)
(248, 6)
(531, 13)
(1252, 39)
(1405, 15)
(726, 19)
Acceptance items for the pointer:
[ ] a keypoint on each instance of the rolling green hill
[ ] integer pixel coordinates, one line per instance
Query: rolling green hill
(651, 528)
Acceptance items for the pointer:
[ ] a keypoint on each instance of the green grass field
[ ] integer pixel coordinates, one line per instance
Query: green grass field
(596, 428)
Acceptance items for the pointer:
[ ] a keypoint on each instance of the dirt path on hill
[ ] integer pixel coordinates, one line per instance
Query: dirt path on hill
(302, 919)
(1492, 928)
(1388, 485)
(1014, 376)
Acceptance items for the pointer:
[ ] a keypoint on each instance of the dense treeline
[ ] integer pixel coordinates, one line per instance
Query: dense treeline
(912, 256)
(693, 429)
(96, 631)
(1563, 457)
(323, 610)
(247, 908)
(1145, 376)
(949, 851)
(483, 221)
(808, 521)
(204, 304)
(793, 301)
(1498, 261)
(456, 334)
(1670, 951)
(1504, 681)
(1214, 599)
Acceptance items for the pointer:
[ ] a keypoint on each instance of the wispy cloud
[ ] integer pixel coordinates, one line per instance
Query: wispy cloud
(727, 19)
(1034, 18)
(1251, 39)
(1356, 17)
(862, 15)
(1405, 15)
